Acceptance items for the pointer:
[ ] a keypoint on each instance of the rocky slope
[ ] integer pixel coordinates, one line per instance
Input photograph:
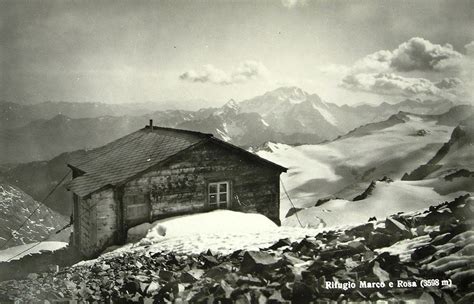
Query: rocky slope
(424, 256)
(15, 207)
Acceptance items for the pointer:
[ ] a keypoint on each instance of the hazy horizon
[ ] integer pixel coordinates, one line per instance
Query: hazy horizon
(212, 51)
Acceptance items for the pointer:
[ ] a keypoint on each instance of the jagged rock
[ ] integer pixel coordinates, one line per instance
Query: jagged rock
(166, 275)
(323, 200)
(131, 287)
(287, 291)
(292, 211)
(216, 273)
(437, 218)
(381, 274)
(441, 239)
(378, 240)
(152, 288)
(276, 297)
(256, 261)
(280, 243)
(223, 291)
(423, 252)
(362, 230)
(467, 299)
(209, 260)
(395, 227)
(302, 293)
(421, 132)
(187, 277)
(250, 280)
(305, 245)
(358, 246)
(366, 193)
(386, 179)
(291, 259)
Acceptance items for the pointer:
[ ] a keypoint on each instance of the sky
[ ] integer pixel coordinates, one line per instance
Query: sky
(347, 52)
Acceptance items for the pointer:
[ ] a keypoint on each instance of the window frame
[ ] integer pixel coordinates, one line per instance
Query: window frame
(218, 204)
(138, 203)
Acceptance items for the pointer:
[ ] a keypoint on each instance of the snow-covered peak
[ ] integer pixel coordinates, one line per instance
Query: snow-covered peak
(229, 107)
(292, 94)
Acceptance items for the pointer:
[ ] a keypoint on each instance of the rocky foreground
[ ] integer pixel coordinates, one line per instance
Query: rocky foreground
(426, 256)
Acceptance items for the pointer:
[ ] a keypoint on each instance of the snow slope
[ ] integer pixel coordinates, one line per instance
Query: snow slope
(344, 167)
(385, 200)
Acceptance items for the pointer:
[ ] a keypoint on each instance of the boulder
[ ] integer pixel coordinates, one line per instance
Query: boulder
(302, 293)
(362, 230)
(166, 275)
(216, 273)
(393, 226)
(423, 252)
(379, 240)
(280, 243)
(255, 261)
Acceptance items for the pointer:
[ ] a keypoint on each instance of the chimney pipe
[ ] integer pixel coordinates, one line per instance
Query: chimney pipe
(151, 125)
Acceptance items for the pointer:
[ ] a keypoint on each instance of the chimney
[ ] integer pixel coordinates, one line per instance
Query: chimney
(151, 125)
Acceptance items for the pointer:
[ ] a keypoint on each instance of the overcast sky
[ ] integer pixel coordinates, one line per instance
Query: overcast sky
(136, 51)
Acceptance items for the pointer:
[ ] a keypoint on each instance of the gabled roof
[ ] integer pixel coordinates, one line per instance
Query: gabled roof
(132, 154)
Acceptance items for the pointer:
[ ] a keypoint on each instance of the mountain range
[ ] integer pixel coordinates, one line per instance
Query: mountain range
(286, 115)
(345, 147)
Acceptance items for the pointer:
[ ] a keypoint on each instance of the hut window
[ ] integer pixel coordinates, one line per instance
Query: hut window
(219, 194)
(137, 207)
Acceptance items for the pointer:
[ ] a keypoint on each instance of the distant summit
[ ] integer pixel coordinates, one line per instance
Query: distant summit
(291, 94)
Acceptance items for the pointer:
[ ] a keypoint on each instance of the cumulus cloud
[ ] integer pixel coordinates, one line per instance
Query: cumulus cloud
(245, 71)
(392, 84)
(293, 3)
(416, 54)
(387, 72)
(449, 83)
(421, 54)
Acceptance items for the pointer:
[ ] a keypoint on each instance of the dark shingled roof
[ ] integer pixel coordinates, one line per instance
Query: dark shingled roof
(134, 153)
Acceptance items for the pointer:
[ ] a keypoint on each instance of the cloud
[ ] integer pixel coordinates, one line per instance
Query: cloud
(420, 54)
(392, 84)
(470, 48)
(293, 3)
(388, 72)
(244, 72)
(375, 62)
(416, 54)
(449, 83)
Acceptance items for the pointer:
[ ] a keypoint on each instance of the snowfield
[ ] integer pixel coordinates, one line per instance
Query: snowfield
(346, 166)
(386, 199)
(221, 231)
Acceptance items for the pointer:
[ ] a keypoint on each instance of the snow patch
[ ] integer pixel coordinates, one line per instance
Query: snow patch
(11, 252)
(224, 135)
(326, 114)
